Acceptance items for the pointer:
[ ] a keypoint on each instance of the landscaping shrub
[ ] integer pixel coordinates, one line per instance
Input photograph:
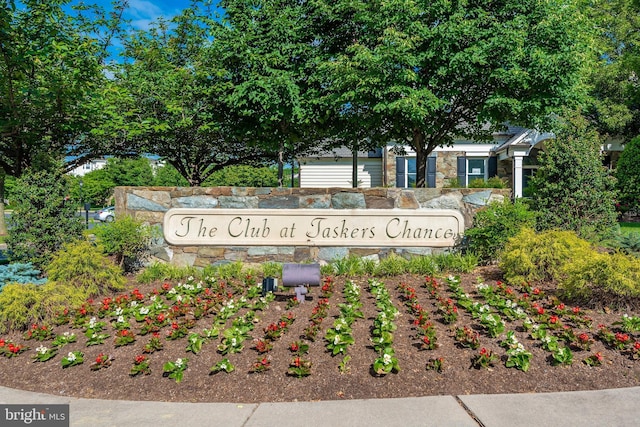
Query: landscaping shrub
(602, 279)
(628, 243)
(628, 177)
(529, 257)
(572, 190)
(20, 273)
(392, 265)
(82, 265)
(127, 239)
(494, 224)
(20, 304)
(43, 219)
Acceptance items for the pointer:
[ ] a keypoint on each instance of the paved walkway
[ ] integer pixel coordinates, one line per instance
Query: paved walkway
(605, 408)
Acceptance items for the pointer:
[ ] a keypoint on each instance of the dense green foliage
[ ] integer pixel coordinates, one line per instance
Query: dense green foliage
(572, 190)
(127, 239)
(529, 257)
(43, 219)
(608, 279)
(243, 176)
(425, 73)
(628, 177)
(494, 224)
(82, 265)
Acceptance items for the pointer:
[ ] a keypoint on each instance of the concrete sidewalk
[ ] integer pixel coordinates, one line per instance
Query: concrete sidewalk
(619, 407)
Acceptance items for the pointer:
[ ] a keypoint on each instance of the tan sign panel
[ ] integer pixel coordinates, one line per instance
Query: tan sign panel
(313, 227)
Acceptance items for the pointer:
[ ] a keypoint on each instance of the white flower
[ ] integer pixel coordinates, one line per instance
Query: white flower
(179, 363)
(233, 342)
(71, 357)
(386, 359)
(336, 340)
(119, 311)
(42, 349)
(223, 366)
(68, 334)
(120, 319)
(92, 323)
(153, 298)
(133, 304)
(144, 310)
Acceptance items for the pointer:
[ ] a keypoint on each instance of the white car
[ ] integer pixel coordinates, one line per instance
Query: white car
(107, 214)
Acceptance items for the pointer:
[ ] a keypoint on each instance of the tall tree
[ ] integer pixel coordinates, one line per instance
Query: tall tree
(267, 52)
(165, 99)
(428, 72)
(50, 75)
(613, 81)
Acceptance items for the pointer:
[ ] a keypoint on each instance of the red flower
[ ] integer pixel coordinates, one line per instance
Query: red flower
(294, 347)
(636, 345)
(426, 340)
(540, 310)
(160, 318)
(576, 310)
(99, 358)
(560, 306)
(174, 325)
(554, 319)
(536, 291)
(2, 342)
(583, 337)
(140, 358)
(598, 356)
(297, 362)
(165, 286)
(622, 337)
(484, 352)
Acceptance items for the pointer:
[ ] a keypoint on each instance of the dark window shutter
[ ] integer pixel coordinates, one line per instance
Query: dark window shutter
(431, 172)
(400, 172)
(493, 167)
(462, 170)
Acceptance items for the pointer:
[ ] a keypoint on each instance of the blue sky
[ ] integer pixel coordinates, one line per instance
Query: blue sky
(142, 12)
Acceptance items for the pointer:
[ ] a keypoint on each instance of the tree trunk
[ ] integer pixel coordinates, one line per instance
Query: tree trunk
(421, 158)
(354, 166)
(281, 164)
(3, 223)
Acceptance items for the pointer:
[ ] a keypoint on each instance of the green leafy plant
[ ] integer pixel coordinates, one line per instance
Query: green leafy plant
(484, 359)
(43, 220)
(73, 358)
(386, 362)
(125, 238)
(494, 225)
(222, 366)
(175, 370)
(44, 353)
(140, 366)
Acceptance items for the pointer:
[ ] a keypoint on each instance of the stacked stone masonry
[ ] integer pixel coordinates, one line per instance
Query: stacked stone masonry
(149, 204)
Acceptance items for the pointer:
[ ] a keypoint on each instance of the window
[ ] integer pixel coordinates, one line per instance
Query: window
(476, 169)
(405, 172)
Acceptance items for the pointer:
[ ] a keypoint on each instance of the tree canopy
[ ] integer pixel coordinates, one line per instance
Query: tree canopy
(425, 73)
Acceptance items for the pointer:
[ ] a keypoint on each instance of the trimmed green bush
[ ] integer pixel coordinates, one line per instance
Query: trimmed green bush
(494, 224)
(602, 279)
(43, 219)
(529, 257)
(20, 305)
(628, 177)
(83, 265)
(127, 239)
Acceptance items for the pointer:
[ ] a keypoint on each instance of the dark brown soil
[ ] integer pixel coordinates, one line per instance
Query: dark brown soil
(326, 381)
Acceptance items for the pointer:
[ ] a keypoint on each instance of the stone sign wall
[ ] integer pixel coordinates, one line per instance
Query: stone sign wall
(200, 226)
